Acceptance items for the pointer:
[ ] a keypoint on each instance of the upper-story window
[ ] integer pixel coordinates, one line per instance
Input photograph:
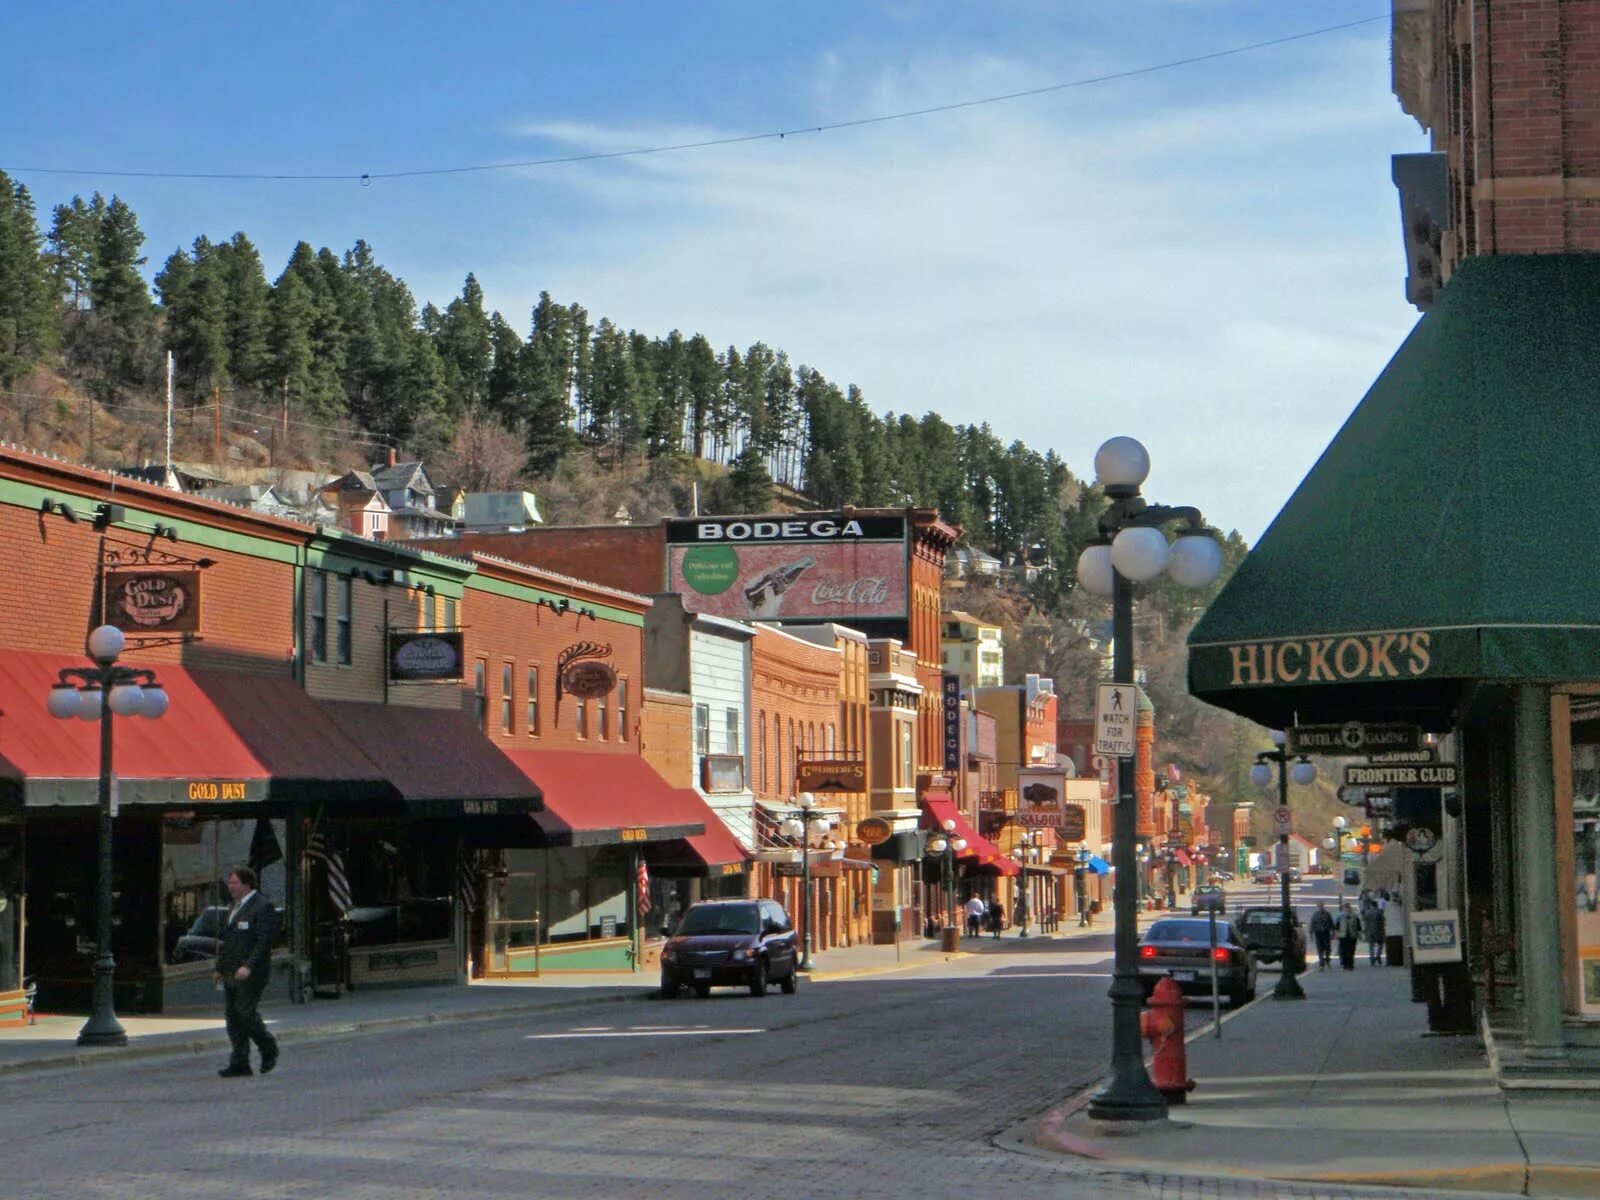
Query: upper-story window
(533, 702)
(580, 716)
(319, 617)
(430, 612)
(346, 603)
(622, 710)
(449, 612)
(603, 712)
(507, 697)
(734, 743)
(702, 729)
(480, 698)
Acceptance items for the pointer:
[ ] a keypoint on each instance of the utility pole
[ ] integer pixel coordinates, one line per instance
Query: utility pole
(216, 429)
(169, 417)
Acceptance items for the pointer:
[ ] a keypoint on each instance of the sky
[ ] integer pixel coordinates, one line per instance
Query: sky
(1206, 257)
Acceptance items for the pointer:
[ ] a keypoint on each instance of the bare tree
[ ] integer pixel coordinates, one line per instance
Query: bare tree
(484, 456)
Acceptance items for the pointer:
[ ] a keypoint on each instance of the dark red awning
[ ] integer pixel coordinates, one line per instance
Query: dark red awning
(592, 798)
(1181, 857)
(437, 759)
(938, 808)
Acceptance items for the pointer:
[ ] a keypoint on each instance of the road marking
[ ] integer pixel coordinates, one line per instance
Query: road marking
(628, 1033)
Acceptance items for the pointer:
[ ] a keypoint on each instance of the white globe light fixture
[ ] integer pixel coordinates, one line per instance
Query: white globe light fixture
(1122, 462)
(1139, 553)
(1194, 561)
(63, 701)
(1278, 737)
(126, 700)
(155, 702)
(1261, 774)
(937, 844)
(89, 700)
(1341, 822)
(959, 845)
(1094, 571)
(1303, 772)
(106, 643)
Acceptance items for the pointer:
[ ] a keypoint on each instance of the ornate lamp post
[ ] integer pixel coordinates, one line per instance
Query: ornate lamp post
(807, 828)
(1023, 854)
(1132, 549)
(947, 845)
(1303, 772)
(1080, 885)
(100, 693)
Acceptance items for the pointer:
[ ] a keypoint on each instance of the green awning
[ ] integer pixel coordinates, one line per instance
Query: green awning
(1449, 533)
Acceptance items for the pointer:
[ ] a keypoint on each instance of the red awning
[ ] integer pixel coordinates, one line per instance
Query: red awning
(182, 758)
(938, 807)
(593, 798)
(437, 759)
(714, 852)
(1181, 857)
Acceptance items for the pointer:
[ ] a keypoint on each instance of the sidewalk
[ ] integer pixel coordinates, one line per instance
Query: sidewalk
(51, 1043)
(1347, 1087)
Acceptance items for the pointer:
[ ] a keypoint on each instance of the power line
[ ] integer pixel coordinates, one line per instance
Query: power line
(365, 178)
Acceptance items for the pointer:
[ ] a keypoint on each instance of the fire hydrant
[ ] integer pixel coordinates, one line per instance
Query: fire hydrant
(1162, 1025)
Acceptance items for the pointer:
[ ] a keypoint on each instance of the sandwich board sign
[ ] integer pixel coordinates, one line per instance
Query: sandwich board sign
(1115, 715)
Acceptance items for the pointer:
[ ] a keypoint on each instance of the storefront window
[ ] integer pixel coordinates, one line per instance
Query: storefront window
(196, 856)
(1585, 940)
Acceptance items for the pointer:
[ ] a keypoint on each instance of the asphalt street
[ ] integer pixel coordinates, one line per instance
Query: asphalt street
(920, 1083)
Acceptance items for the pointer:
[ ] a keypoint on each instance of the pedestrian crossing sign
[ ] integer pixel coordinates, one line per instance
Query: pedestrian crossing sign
(1115, 715)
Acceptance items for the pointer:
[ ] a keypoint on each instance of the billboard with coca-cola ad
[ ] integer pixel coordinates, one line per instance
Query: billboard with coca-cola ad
(802, 567)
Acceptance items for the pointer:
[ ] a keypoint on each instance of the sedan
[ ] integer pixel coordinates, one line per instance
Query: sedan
(1180, 948)
(1208, 897)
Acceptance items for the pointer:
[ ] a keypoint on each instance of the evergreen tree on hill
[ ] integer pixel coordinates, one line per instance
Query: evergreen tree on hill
(29, 325)
(74, 230)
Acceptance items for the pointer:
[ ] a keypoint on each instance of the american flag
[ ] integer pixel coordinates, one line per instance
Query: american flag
(338, 885)
(467, 880)
(644, 888)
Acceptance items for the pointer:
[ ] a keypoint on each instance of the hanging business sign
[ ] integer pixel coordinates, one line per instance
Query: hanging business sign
(952, 723)
(831, 775)
(153, 600)
(1354, 737)
(421, 657)
(1418, 775)
(874, 831)
(1041, 797)
(1435, 936)
(583, 673)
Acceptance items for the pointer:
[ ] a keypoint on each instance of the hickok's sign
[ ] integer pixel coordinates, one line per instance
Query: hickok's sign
(1366, 656)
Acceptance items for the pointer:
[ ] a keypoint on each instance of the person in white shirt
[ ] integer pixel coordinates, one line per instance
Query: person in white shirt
(976, 911)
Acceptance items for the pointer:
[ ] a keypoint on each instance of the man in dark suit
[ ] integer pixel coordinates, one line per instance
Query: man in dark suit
(243, 964)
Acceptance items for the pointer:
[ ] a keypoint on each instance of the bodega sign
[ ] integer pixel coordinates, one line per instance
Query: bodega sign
(1353, 658)
(806, 527)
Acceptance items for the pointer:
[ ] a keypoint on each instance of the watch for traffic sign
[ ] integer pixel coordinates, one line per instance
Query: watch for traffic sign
(1115, 716)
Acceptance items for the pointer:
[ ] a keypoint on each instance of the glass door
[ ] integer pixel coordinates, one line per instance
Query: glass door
(512, 924)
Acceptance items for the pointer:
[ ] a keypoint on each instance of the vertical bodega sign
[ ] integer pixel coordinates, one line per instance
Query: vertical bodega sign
(952, 723)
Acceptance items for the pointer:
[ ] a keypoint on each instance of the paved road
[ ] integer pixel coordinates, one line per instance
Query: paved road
(901, 1085)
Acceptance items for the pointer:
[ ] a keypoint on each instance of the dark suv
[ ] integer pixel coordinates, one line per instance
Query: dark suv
(738, 943)
(1262, 928)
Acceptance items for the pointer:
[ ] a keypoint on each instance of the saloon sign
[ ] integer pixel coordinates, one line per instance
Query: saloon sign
(162, 600)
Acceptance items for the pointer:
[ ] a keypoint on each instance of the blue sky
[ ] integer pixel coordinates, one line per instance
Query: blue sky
(1207, 258)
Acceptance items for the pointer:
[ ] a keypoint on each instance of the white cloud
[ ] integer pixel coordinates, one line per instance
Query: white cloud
(1221, 279)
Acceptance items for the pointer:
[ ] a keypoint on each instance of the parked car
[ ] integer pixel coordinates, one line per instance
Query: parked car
(1262, 927)
(1266, 877)
(1208, 897)
(738, 943)
(199, 943)
(1180, 947)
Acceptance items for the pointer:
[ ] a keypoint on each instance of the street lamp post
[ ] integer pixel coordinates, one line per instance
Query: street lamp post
(946, 844)
(1132, 548)
(100, 693)
(806, 827)
(1024, 843)
(1303, 771)
(1080, 885)
(1336, 842)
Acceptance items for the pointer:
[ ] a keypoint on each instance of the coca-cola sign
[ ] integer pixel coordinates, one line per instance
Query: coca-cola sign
(816, 581)
(165, 600)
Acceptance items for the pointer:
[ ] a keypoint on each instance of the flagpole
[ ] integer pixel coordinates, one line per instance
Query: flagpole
(633, 916)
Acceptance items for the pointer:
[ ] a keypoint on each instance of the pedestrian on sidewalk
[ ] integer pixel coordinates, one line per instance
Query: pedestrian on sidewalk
(1372, 926)
(977, 910)
(996, 917)
(1322, 931)
(1349, 933)
(244, 961)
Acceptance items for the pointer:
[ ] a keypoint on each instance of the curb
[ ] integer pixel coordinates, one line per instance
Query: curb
(888, 969)
(141, 1051)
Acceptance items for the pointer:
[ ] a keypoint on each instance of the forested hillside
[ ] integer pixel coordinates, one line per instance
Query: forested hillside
(333, 359)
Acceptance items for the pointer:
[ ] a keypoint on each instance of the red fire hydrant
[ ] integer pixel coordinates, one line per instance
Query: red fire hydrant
(1162, 1025)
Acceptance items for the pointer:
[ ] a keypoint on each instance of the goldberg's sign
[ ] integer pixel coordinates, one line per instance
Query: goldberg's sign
(831, 776)
(1349, 659)
(425, 656)
(952, 722)
(164, 600)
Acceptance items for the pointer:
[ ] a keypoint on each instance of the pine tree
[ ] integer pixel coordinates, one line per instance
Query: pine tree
(244, 284)
(115, 340)
(747, 486)
(507, 392)
(703, 377)
(74, 230)
(290, 348)
(465, 343)
(29, 328)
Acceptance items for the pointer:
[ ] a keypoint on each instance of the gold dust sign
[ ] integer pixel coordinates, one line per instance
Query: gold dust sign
(1333, 660)
(216, 791)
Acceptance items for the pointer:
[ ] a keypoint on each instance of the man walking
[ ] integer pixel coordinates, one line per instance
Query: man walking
(977, 910)
(1372, 925)
(1349, 931)
(1322, 931)
(244, 961)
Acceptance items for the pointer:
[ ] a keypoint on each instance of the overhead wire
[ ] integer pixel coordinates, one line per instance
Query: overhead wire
(365, 178)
